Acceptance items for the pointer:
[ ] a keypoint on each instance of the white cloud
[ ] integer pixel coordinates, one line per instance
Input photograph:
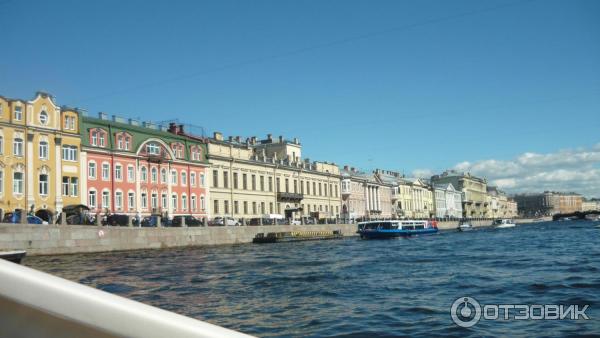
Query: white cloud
(565, 170)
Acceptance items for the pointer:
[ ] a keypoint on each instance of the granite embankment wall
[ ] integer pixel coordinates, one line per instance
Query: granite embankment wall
(71, 239)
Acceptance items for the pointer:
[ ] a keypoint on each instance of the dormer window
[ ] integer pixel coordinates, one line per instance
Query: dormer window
(127, 142)
(195, 150)
(120, 142)
(101, 137)
(177, 149)
(153, 149)
(44, 118)
(94, 138)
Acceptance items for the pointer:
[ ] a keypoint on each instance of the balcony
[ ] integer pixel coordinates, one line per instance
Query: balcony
(289, 197)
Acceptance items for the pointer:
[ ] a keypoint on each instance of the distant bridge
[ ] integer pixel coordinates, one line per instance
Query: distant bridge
(576, 215)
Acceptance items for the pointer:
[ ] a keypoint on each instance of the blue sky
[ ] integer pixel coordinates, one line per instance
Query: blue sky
(404, 85)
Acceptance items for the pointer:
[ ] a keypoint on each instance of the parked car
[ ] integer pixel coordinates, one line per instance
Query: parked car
(117, 220)
(15, 217)
(190, 221)
(151, 221)
(222, 221)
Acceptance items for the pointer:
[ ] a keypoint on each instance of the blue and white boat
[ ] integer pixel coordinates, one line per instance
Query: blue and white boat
(395, 228)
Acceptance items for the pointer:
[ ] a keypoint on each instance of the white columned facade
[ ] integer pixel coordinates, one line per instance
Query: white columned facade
(29, 173)
(58, 174)
(83, 174)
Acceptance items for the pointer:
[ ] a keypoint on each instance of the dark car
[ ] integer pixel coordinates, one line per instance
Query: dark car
(152, 221)
(190, 221)
(117, 220)
(15, 217)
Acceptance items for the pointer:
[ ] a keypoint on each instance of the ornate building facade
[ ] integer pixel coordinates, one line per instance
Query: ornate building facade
(141, 167)
(39, 155)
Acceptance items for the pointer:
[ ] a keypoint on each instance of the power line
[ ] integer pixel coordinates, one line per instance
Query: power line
(308, 49)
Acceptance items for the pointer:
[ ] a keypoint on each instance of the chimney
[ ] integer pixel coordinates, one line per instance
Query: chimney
(238, 139)
(102, 116)
(280, 139)
(181, 131)
(230, 138)
(218, 136)
(346, 167)
(172, 128)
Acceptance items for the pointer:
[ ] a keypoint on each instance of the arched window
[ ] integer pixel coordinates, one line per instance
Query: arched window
(18, 146)
(174, 177)
(154, 175)
(183, 178)
(144, 174)
(163, 176)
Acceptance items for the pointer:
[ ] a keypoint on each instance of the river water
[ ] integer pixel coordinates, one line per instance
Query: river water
(362, 288)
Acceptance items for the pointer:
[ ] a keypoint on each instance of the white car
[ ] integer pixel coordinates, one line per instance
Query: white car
(225, 221)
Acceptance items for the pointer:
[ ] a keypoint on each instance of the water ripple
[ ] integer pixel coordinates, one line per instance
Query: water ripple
(354, 288)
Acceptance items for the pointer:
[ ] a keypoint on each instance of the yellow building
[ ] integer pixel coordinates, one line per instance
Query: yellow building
(39, 155)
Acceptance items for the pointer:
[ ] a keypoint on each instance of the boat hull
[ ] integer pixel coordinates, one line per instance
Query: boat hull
(502, 226)
(384, 234)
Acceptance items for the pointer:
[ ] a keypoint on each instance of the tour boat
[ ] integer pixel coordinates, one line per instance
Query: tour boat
(396, 228)
(465, 226)
(13, 256)
(504, 223)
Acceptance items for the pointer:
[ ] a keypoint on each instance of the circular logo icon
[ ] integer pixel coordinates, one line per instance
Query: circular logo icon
(465, 312)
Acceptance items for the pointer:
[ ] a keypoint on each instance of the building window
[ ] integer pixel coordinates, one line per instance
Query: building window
(144, 174)
(43, 148)
(244, 181)
(94, 138)
(101, 137)
(127, 141)
(1, 145)
(144, 201)
(270, 183)
(262, 207)
(131, 200)
(92, 199)
(163, 176)
(152, 149)
(184, 204)
(236, 207)
(74, 186)
(193, 200)
(173, 177)
(193, 179)
(225, 179)
(92, 170)
(245, 204)
(163, 200)
(105, 200)
(119, 200)
(44, 118)
(65, 186)
(43, 184)
(202, 203)
(18, 183)
(235, 180)
(154, 174)
(118, 172)
(183, 178)
(254, 208)
(154, 201)
(216, 207)
(253, 182)
(69, 153)
(130, 173)
(262, 183)
(215, 182)
(202, 180)
(120, 142)
(287, 185)
(270, 207)
(174, 202)
(277, 184)
(18, 114)
(105, 171)
(69, 122)
(18, 147)
(226, 207)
